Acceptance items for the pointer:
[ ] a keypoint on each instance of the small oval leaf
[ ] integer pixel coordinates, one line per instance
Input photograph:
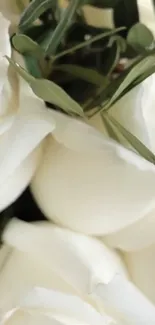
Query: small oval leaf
(140, 37)
(26, 45)
(86, 74)
(50, 92)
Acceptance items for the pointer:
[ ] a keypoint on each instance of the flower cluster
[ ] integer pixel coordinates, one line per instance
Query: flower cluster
(92, 262)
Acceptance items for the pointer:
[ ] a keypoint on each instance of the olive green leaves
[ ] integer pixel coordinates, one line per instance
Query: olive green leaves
(49, 91)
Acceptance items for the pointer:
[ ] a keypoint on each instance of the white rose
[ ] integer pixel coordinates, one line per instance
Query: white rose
(84, 281)
(95, 179)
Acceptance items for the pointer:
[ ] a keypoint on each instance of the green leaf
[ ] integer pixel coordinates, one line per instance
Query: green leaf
(110, 129)
(22, 72)
(24, 44)
(62, 27)
(121, 42)
(133, 141)
(144, 76)
(86, 74)
(133, 74)
(32, 66)
(50, 92)
(33, 11)
(113, 58)
(140, 37)
(118, 87)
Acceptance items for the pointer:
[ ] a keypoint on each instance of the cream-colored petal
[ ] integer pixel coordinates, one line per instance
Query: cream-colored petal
(76, 259)
(16, 183)
(126, 301)
(99, 17)
(26, 133)
(130, 109)
(60, 305)
(94, 179)
(146, 13)
(9, 100)
(141, 265)
(136, 236)
(12, 9)
(135, 111)
(30, 272)
(4, 254)
(24, 317)
(26, 129)
(5, 47)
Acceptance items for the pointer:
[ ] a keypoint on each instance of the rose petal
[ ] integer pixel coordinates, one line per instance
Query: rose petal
(5, 47)
(127, 301)
(63, 306)
(11, 10)
(16, 183)
(135, 237)
(31, 124)
(78, 261)
(135, 111)
(22, 317)
(99, 17)
(94, 178)
(141, 265)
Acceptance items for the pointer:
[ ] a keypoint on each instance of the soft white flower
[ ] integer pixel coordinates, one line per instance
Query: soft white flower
(78, 280)
(103, 187)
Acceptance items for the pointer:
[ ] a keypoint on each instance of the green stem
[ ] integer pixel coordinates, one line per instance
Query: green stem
(86, 43)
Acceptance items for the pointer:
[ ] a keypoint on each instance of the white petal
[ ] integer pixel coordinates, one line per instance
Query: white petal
(60, 305)
(135, 111)
(11, 10)
(126, 301)
(94, 178)
(30, 272)
(5, 48)
(16, 183)
(130, 109)
(31, 124)
(146, 13)
(22, 317)
(141, 265)
(135, 237)
(4, 254)
(77, 259)
(99, 17)
(9, 100)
